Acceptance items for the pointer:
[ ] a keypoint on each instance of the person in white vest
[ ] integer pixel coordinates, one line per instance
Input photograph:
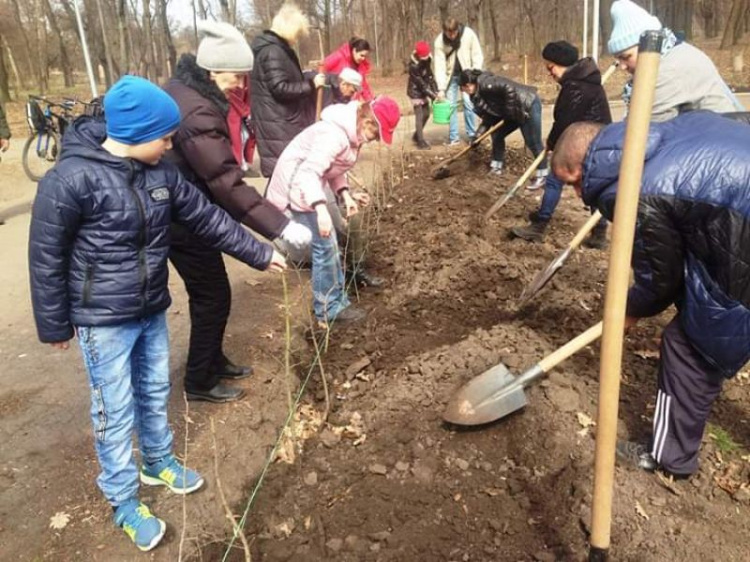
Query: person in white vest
(456, 49)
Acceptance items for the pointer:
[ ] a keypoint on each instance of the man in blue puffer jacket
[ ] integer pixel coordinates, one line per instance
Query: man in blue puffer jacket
(98, 251)
(692, 249)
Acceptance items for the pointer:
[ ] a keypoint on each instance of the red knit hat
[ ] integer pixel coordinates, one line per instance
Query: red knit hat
(388, 114)
(422, 49)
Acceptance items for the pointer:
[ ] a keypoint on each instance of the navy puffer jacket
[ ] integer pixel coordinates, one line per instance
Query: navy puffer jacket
(692, 244)
(100, 235)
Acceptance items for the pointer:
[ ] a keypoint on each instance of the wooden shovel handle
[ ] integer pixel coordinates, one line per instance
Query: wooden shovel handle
(573, 346)
(618, 276)
(479, 139)
(319, 100)
(585, 229)
(610, 72)
(497, 205)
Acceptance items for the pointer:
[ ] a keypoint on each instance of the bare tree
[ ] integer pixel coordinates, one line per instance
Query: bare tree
(67, 68)
(4, 79)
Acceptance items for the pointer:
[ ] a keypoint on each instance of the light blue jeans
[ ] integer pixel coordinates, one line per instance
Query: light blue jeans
(469, 116)
(329, 289)
(128, 370)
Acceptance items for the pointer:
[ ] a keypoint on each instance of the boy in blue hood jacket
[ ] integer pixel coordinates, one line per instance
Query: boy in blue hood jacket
(98, 251)
(692, 249)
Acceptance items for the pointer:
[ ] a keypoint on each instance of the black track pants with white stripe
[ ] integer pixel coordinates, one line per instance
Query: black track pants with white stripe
(688, 386)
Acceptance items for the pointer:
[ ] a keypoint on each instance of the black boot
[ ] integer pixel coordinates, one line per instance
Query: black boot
(635, 455)
(218, 394)
(597, 239)
(532, 233)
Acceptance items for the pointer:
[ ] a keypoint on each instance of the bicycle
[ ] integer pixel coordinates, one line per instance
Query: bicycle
(46, 130)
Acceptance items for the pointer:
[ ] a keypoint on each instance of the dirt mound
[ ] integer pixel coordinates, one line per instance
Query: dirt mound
(407, 487)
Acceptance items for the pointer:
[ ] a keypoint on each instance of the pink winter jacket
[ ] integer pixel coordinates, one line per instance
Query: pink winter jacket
(318, 156)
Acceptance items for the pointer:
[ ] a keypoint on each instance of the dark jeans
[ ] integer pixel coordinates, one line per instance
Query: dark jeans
(531, 130)
(421, 115)
(552, 192)
(210, 299)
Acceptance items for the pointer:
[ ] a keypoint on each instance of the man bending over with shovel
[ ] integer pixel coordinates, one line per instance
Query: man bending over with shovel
(496, 99)
(691, 249)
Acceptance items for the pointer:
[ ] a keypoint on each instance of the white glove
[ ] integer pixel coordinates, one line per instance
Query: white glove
(296, 235)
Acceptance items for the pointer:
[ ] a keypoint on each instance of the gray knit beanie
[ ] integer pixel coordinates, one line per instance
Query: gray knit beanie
(223, 48)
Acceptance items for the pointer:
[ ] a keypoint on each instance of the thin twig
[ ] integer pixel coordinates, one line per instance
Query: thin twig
(227, 511)
(184, 464)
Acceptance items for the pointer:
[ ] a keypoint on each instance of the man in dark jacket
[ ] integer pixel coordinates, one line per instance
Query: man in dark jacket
(203, 153)
(495, 99)
(692, 249)
(98, 249)
(581, 98)
(282, 98)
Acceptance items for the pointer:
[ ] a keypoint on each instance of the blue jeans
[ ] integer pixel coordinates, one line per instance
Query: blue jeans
(128, 370)
(329, 290)
(531, 129)
(553, 187)
(469, 115)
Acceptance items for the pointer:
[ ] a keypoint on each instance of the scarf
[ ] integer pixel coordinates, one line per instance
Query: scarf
(670, 42)
(453, 44)
(241, 133)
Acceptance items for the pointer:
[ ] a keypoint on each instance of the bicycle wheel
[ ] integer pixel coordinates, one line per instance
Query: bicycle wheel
(40, 153)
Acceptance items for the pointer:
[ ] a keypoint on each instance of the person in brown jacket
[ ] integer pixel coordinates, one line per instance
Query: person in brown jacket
(204, 154)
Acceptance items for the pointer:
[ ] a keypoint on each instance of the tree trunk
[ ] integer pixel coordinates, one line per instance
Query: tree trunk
(167, 35)
(122, 22)
(495, 34)
(106, 44)
(148, 43)
(443, 6)
(33, 69)
(14, 67)
(64, 59)
(733, 27)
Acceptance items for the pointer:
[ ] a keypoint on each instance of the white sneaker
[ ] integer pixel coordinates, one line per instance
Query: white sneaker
(456, 142)
(536, 183)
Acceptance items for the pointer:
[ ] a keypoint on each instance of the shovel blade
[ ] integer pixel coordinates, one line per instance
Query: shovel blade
(542, 278)
(441, 173)
(487, 397)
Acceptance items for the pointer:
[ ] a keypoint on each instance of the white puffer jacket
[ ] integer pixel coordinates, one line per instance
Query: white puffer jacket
(469, 56)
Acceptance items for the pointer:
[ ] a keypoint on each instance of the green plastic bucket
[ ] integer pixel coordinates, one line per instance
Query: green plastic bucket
(441, 112)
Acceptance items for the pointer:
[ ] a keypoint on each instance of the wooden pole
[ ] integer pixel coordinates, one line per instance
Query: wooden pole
(595, 31)
(585, 28)
(626, 210)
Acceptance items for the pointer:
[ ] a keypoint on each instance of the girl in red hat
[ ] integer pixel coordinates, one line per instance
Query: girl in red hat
(421, 89)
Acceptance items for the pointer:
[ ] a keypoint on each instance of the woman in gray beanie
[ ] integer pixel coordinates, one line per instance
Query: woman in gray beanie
(209, 88)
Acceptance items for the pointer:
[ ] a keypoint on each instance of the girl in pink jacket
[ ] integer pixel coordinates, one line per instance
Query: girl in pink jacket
(318, 159)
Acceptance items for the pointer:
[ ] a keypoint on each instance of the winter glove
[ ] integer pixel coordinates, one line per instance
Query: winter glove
(296, 235)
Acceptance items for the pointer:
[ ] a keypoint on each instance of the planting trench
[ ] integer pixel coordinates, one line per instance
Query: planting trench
(386, 480)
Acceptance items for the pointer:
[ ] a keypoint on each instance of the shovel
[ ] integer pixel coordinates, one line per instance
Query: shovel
(442, 171)
(497, 392)
(513, 190)
(548, 272)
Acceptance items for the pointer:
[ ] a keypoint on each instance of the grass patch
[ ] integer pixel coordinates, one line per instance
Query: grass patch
(723, 440)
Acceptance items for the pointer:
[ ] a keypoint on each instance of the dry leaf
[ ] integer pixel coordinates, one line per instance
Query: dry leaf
(59, 520)
(640, 511)
(646, 354)
(268, 336)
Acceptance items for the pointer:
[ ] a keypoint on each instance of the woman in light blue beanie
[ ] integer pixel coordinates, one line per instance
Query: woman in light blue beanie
(687, 79)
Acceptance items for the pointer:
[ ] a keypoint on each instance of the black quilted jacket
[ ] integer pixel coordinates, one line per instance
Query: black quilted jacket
(421, 79)
(501, 98)
(581, 98)
(281, 97)
(99, 235)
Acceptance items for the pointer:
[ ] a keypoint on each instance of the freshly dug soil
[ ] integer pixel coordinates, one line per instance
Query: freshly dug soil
(408, 487)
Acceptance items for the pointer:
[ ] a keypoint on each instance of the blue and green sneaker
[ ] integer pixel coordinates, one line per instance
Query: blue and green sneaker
(171, 473)
(143, 528)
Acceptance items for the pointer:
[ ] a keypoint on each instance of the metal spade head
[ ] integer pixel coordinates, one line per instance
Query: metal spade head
(487, 397)
(441, 173)
(543, 277)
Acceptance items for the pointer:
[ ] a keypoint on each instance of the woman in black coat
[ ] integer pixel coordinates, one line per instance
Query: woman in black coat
(282, 98)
